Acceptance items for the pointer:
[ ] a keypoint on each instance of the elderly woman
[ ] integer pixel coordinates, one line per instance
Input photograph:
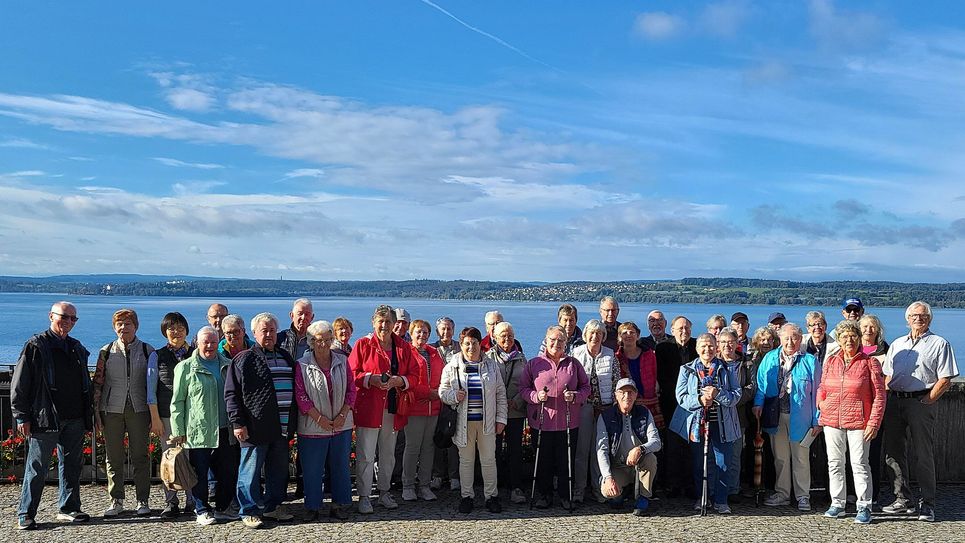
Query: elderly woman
(551, 384)
(325, 394)
(384, 367)
(764, 340)
(708, 396)
(787, 381)
(160, 387)
(235, 339)
(874, 345)
(511, 361)
(817, 341)
(641, 366)
(851, 399)
(603, 372)
(474, 385)
(744, 376)
(120, 402)
(343, 336)
(446, 463)
(715, 324)
(420, 451)
(199, 422)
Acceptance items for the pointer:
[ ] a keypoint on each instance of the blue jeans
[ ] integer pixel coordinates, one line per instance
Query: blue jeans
(273, 457)
(718, 459)
(319, 453)
(69, 442)
(734, 465)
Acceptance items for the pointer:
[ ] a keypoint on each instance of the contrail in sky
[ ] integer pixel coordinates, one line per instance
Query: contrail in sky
(496, 39)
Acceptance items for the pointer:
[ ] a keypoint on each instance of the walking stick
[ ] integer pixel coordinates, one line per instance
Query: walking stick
(758, 464)
(706, 432)
(539, 438)
(569, 451)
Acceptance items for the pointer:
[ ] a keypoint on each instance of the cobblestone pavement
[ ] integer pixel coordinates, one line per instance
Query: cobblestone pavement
(673, 520)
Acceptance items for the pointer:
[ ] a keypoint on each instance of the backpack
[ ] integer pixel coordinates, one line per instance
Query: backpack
(176, 470)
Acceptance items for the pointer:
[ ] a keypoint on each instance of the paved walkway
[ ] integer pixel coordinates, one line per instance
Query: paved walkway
(439, 521)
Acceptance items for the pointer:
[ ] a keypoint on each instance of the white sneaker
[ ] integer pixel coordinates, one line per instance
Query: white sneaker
(143, 509)
(518, 496)
(116, 508)
(365, 506)
(435, 483)
(251, 521)
(385, 500)
(804, 504)
(205, 519)
(409, 495)
(454, 484)
(427, 494)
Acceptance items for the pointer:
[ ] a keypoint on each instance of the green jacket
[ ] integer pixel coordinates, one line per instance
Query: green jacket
(195, 405)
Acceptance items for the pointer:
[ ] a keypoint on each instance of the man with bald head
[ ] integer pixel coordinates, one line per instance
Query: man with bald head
(51, 400)
(216, 312)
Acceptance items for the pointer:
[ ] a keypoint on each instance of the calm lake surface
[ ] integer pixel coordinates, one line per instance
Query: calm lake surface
(26, 314)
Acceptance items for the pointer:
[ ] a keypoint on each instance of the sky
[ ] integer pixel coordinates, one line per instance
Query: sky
(497, 140)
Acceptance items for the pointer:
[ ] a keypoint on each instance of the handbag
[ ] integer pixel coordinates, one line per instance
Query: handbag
(176, 470)
(447, 422)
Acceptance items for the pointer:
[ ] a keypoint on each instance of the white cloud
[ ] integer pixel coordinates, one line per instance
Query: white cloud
(23, 173)
(181, 164)
(188, 92)
(304, 172)
(842, 30)
(22, 143)
(658, 25)
(726, 18)
(193, 188)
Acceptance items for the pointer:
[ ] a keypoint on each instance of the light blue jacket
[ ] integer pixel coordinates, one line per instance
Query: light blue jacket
(686, 419)
(804, 390)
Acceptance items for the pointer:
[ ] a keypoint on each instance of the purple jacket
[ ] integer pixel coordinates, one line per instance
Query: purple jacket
(567, 375)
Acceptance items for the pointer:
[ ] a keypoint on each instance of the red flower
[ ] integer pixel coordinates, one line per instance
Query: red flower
(291, 443)
(12, 478)
(87, 450)
(150, 448)
(352, 456)
(55, 453)
(10, 431)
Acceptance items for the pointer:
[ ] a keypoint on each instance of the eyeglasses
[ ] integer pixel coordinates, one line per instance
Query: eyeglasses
(919, 316)
(817, 325)
(71, 318)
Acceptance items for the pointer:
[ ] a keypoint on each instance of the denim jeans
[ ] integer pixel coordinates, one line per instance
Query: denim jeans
(323, 456)
(220, 461)
(718, 460)
(273, 457)
(69, 442)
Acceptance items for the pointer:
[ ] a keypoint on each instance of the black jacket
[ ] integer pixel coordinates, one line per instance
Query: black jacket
(250, 397)
(30, 396)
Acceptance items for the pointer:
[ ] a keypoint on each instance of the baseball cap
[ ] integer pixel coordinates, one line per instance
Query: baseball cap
(740, 315)
(626, 382)
(775, 316)
(853, 302)
(402, 315)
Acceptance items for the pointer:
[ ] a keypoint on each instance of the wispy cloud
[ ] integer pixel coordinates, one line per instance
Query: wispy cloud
(181, 164)
(842, 29)
(183, 91)
(725, 18)
(658, 25)
(22, 143)
(24, 173)
(305, 172)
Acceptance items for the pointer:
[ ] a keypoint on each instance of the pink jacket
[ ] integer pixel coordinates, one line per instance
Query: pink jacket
(854, 398)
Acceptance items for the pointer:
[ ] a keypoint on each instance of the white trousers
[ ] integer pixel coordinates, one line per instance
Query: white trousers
(839, 442)
(486, 443)
(370, 442)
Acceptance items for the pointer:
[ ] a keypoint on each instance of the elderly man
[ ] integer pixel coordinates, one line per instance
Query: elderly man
(918, 369)
(609, 311)
(776, 320)
(492, 319)
(294, 341)
(626, 443)
(259, 391)
(401, 327)
(51, 402)
(216, 312)
(741, 324)
(852, 309)
(670, 356)
(657, 324)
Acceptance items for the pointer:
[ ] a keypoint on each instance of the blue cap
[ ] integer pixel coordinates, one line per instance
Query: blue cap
(853, 302)
(774, 316)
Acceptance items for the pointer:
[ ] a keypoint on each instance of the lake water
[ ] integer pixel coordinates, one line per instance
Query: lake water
(26, 314)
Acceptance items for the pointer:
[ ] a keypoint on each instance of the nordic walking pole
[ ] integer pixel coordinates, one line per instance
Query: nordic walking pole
(703, 496)
(539, 437)
(569, 451)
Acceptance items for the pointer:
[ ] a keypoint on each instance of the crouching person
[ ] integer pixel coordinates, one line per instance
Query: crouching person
(626, 443)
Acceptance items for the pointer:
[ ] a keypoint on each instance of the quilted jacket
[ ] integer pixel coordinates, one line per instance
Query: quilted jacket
(851, 398)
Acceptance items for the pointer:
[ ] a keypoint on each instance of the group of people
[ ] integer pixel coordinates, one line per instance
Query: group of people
(604, 407)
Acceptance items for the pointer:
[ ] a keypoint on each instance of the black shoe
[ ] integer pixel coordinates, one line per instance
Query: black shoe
(172, 510)
(493, 505)
(311, 516)
(465, 505)
(339, 512)
(542, 502)
(566, 504)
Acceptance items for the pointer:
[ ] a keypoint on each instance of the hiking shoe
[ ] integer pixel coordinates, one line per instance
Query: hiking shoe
(409, 495)
(385, 500)
(226, 514)
(26, 523)
(566, 504)
(465, 505)
(205, 519)
(143, 509)
(641, 506)
(863, 516)
(365, 506)
(775, 500)
(722, 508)
(279, 515)
(251, 521)
(898, 507)
(454, 484)
(517, 496)
(73, 516)
(116, 508)
(542, 503)
(834, 512)
(170, 511)
(427, 495)
(339, 512)
(493, 505)
(926, 513)
(804, 504)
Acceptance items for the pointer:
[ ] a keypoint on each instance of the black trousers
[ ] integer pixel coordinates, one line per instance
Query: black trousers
(509, 466)
(553, 462)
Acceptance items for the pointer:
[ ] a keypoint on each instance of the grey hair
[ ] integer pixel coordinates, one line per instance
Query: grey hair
(707, 336)
(556, 328)
(303, 301)
(816, 315)
(385, 311)
(319, 327)
(881, 328)
(441, 320)
(793, 329)
(233, 319)
(502, 325)
(847, 325)
(715, 319)
(610, 299)
(63, 305)
(662, 316)
(923, 305)
(728, 331)
(263, 317)
(204, 330)
(494, 313)
(591, 326)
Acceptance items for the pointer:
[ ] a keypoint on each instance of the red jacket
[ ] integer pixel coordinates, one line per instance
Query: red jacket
(422, 406)
(649, 396)
(369, 359)
(854, 398)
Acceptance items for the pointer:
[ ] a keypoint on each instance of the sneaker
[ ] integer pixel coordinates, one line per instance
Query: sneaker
(427, 495)
(863, 516)
(804, 504)
(386, 500)
(465, 505)
(226, 514)
(251, 521)
(542, 503)
(566, 504)
(834, 512)
(775, 500)
(205, 519)
(143, 509)
(493, 505)
(365, 505)
(339, 512)
(26, 523)
(454, 484)
(926, 513)
(73, 516)
(279, 515)
(722, 508)
(116, 508)
(435, 483)
(578, 497)
(170, 511)
(409, 495)
(898, 507)
(697, 505)
(641, 506)
(517, 496)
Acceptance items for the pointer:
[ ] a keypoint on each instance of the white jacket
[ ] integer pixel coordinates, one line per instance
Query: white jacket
(494, 395)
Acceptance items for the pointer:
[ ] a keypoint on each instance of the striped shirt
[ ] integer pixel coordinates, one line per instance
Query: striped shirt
(283, 378)
(474, 390)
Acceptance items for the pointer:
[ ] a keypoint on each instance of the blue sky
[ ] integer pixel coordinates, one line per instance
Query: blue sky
(484, 140)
